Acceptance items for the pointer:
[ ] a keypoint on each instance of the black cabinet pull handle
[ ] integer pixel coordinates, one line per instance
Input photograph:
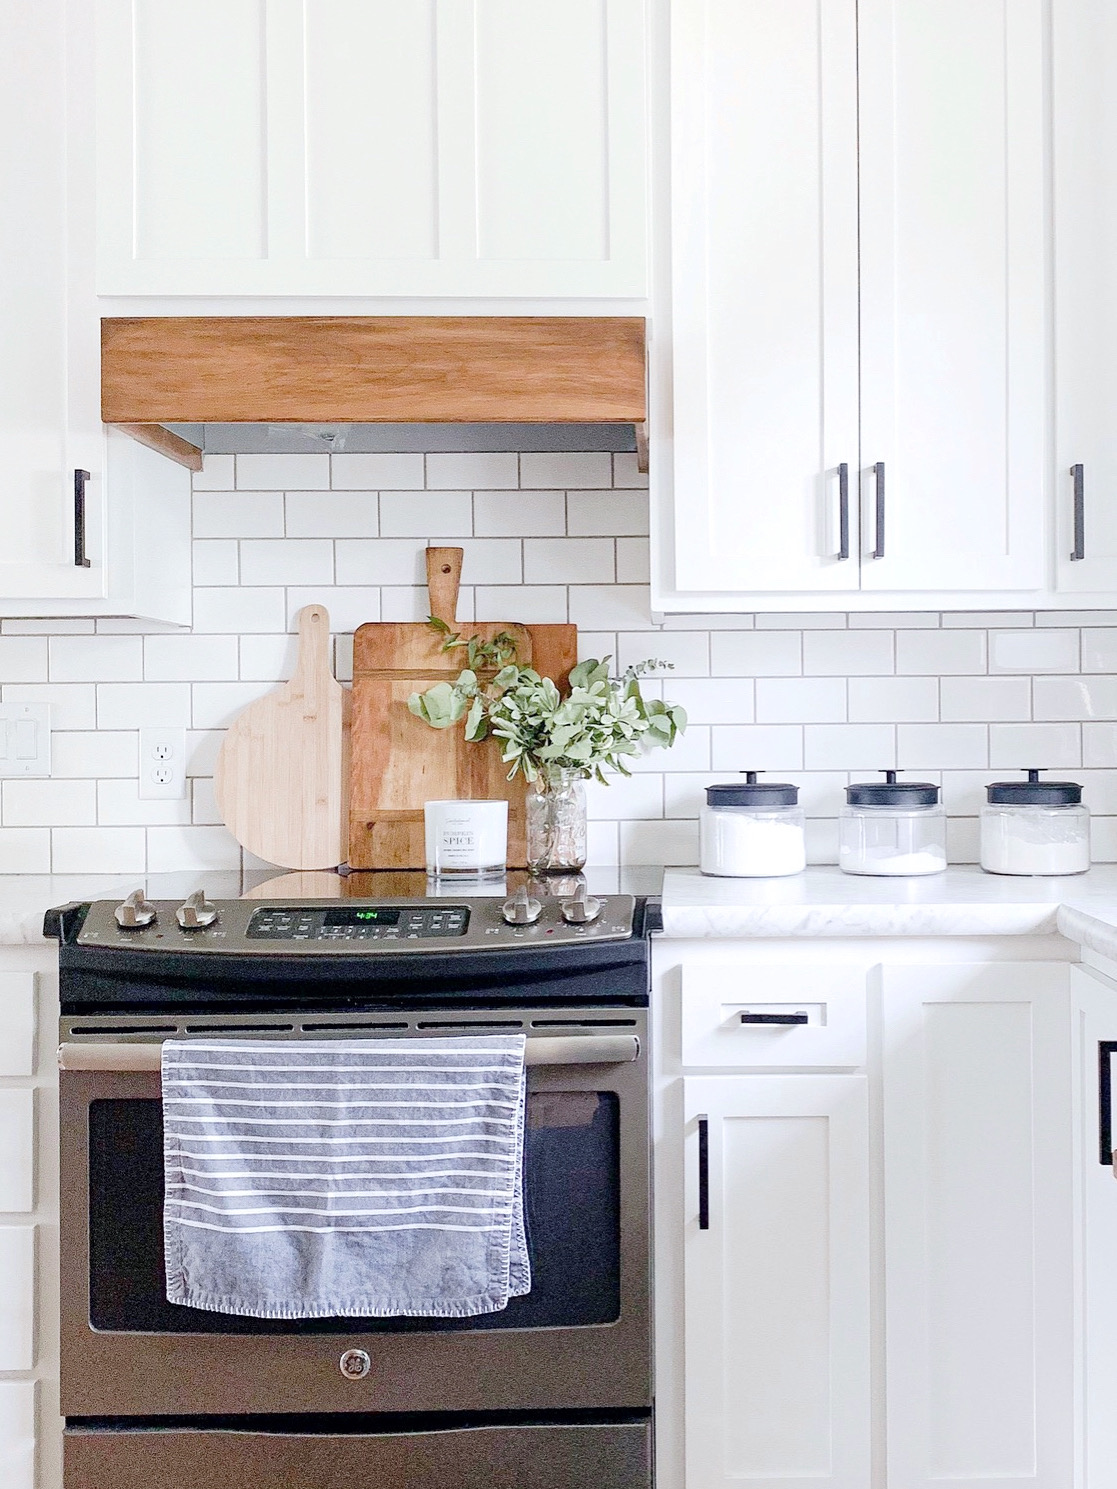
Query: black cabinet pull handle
(703, 1173)
(878, 474)
(1079, 474)
(1107, 1048)
(843, 511)
(775, 1018)
(80, 559)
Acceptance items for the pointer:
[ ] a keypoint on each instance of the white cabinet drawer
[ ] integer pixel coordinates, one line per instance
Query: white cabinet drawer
(764, 1017)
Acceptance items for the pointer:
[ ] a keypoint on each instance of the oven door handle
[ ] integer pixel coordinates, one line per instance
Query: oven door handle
(146, 1058)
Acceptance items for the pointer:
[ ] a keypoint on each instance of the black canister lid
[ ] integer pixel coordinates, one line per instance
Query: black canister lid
(753, 793)
(892, 793)
(1035, 793)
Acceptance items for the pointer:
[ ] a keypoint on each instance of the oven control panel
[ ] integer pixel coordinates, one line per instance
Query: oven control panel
(358, 923)
(356, 926)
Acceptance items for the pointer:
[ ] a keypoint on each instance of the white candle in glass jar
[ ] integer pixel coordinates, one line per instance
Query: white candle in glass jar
(468, 838)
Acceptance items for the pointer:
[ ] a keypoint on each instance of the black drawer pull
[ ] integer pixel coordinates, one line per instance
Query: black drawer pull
(843, 512)
(775, 1018)
(878, 476)
(1079, 551)
(80, 479)
(703, 1173)
(1107, 1048)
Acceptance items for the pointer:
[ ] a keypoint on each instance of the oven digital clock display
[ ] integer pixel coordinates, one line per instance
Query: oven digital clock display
(381, 916)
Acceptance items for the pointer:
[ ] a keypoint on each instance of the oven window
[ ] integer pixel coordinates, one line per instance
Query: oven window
(572, 1211)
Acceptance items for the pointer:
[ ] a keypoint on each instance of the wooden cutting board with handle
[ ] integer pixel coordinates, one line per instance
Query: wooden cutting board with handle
(282, 775)
(397, 761)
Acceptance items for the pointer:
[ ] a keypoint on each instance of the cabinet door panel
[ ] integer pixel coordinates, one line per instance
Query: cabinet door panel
(953, 298)
(765, 292)
(777, 1289)
(977, 1225)
(1085, 152)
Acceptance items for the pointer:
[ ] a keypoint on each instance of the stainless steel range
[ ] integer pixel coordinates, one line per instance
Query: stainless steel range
(554, 1391)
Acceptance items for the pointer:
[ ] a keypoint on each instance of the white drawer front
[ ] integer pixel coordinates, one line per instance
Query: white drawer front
(763, 1017)
(17, 1023)
(17, 1434)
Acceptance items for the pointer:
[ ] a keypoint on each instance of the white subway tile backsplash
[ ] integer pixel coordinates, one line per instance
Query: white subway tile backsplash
(691, 751)
(349, 606)
(985, 699)
(896, 700)
(962, 619)
(73, 705)
(1099, 746)
(655, 843)
(800, 700)
(377, 472)
(143, 705)
(963, 835)
(686, 653)
(603, 842)
(327, 514)
(17, 1297)
(215, 561)
(25, 850)
(372, 561)
(240, 514)
(1099, 649)
(409, 604)
(287, 561)
(1033, 651)
(822, 840)
(267, 658)
(418, 514)
(610, 606)
(512, 514)
(625, 798)
(939, 653)
(1103, 839)
(626, 471)
(96, 658)
(1047, 746)
(757, 747)
(488, 472)
(526, 604)
(283, 472)
(756, 653)
(204, 811)
(713, 700)
(17, 1434)
(229, 612)
(611, 514)
(202, 746)
(49, 803)
(218, 473)
(569, 561)
(849, 746)
(896, 620)
(801, 620)
(17, 1154)
(634, 560)
(95, 752)
(848, 653)
(942, 746)
(214, 705)
(176, 849)
(97, 850)
(190, 658)
(119, 805)
(565, 471)
(23, 658)
(1076, 697)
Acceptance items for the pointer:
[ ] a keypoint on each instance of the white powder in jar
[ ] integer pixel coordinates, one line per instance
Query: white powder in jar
(1014, 844)
(741, 845)
(885, 863)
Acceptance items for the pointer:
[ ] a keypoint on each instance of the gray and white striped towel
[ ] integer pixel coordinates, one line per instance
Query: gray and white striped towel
(362, 1178)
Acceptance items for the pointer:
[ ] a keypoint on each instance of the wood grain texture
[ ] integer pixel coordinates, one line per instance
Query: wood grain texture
(155, 437)
(373, 369)
(398, 762)
(281, 781)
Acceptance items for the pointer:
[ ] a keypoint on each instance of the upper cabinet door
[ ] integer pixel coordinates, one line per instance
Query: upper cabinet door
(953, 300)
(1085, 106)
(371, 147)
(764, 208)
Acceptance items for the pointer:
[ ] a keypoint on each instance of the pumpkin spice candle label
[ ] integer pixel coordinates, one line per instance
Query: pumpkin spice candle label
(468, 839)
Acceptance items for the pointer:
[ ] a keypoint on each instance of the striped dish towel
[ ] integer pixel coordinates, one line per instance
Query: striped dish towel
(365, 1178)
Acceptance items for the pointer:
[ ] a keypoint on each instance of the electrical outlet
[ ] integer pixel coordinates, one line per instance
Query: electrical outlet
(162, 764)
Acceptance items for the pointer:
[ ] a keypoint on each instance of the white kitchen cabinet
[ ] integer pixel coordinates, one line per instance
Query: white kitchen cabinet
(1085, 210)
(371, 147)
(137, 506)
(858, 281)
(978, 1226)
(777, 1286)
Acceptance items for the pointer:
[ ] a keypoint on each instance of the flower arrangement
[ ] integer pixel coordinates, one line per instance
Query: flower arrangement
(554, 741)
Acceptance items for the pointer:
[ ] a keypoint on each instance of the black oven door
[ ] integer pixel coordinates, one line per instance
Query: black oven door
(579, 1340)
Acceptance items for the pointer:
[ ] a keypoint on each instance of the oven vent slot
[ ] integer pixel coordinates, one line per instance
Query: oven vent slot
(240, 1028)
(311, 1028)
(583, 1023)
(122, 1033)
(478, 1024)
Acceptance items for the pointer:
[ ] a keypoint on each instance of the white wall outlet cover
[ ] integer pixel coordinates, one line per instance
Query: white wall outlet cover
(162, 764)
(24, 739)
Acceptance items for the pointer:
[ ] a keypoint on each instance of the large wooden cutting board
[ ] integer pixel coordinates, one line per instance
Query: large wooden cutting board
(397, 761)
(282, 775)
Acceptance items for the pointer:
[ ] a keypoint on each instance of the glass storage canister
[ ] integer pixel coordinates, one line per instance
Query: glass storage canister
(752, 831)
(1035, 827)
(892, 828)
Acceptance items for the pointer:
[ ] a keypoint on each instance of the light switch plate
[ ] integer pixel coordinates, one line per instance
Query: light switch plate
(24, 739)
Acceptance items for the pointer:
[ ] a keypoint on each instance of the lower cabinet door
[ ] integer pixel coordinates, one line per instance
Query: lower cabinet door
(777, 1282)
(978, 1203)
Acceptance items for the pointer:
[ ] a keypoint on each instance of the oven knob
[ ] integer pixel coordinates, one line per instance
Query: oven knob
(354, 1364)
(135, 912)
(521, 909)
(581, 908)
(196, 912)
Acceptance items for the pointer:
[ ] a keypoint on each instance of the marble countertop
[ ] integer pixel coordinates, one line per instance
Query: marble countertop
(824, 902)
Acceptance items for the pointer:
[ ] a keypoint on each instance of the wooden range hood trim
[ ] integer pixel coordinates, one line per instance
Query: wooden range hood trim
(155, 437)
(373, 370)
